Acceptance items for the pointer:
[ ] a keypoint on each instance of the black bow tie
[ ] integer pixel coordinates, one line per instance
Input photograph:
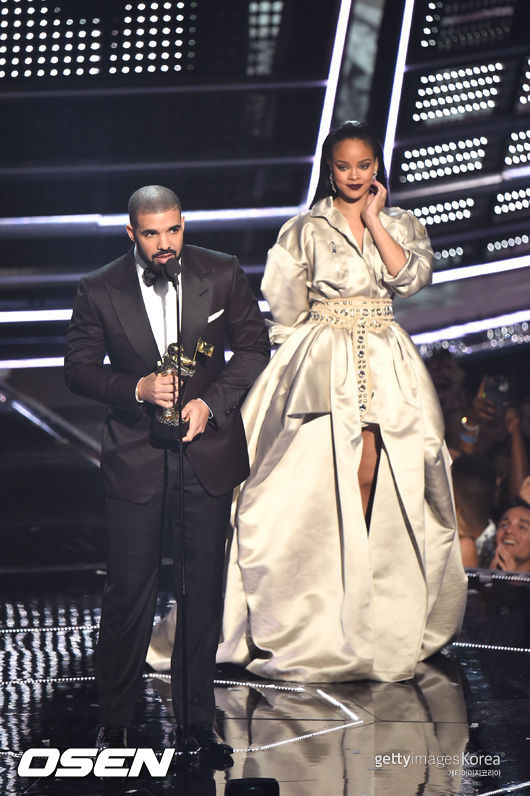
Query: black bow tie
(150, 276)
(169, 271)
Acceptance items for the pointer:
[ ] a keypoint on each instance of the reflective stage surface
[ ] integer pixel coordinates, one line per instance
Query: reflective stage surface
(460, 727)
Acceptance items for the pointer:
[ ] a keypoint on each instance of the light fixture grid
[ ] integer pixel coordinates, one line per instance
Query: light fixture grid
(39, 41)
(264, 21)
(154, 37)
(524, 90)
(459, 25)
(512, 202)
(454, 94)
(518, 149)
(444, 212)
(442, 159)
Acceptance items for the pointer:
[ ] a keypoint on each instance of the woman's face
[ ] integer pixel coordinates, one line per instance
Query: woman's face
(353, 166)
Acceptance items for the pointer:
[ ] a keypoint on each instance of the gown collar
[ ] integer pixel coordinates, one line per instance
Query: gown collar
(325, 209)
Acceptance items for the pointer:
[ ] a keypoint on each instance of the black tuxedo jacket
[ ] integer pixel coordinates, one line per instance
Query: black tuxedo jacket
(109, 317)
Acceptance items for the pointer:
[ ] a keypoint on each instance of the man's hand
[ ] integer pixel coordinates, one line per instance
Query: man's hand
(197, 413)
(503, 559)
(158, 389)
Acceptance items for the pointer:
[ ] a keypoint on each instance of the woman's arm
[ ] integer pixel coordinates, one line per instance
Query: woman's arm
(285, 281)
(405, 251)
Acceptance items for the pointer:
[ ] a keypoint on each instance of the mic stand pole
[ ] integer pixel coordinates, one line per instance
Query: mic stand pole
(182, 608)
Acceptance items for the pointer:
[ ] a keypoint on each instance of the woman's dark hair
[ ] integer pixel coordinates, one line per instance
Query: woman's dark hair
(349, 129)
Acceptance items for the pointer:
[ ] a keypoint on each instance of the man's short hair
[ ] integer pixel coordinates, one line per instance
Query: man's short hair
(151, 199)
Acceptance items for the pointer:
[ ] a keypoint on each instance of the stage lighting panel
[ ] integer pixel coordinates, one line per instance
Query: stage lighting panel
(466, 93)
(524, 91)
(508, 246)
(264, 20)
(444, 26)
(36, 41)
(511, 204)
(446, 211)
(442, 160)
(518, 149)
(154, 37)
(57, 41)
(448, 257)
(458, 93)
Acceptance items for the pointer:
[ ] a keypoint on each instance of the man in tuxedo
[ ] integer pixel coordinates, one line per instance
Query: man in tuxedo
(127, 311)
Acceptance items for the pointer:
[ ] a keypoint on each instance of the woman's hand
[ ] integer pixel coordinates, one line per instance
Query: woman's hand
(482, 408)
(375, 202)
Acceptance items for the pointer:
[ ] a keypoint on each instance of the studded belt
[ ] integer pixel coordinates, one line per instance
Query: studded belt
(359, 316)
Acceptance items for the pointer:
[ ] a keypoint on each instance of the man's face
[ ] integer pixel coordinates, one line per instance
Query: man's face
(513, 533)
(158, 236)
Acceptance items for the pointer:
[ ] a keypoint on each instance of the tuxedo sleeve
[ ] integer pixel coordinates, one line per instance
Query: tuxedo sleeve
(86, 348)
(248, 339)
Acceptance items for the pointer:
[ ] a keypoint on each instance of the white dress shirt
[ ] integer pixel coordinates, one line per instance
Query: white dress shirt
(160, 301)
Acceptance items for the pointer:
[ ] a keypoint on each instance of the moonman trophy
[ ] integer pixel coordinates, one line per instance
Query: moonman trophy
(169, 421)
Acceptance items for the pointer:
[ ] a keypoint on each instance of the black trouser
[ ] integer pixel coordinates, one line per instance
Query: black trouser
(129, 599)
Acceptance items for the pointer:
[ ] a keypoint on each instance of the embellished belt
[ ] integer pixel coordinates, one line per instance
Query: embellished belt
(359, 316)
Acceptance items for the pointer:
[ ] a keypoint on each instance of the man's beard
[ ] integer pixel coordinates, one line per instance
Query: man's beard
(152, 262)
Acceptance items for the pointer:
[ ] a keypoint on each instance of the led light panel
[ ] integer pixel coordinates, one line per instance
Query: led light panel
(449, 257)
(154, 37)
(465, 24)
(453, 94)
(443, 160)
(514, 201)
(517, 243)
(264, 20)
(518, 151)
(38, 40)
(444, 212)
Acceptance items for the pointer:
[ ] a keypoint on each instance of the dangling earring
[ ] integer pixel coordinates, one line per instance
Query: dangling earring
(332, 183)
(375, 175)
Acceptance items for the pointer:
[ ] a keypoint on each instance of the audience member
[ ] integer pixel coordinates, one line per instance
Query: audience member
(495, 431)
(475, 484)
(512, 552)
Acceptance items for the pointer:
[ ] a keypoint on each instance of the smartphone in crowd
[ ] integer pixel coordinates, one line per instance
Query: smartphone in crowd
(497, 389)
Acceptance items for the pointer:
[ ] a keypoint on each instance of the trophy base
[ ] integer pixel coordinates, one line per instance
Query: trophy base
(170, 429)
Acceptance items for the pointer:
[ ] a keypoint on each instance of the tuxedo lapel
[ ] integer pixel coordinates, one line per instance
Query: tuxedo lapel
(126, 298)
(197, 289)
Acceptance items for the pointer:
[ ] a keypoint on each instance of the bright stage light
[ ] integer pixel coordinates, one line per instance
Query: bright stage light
(445, 159)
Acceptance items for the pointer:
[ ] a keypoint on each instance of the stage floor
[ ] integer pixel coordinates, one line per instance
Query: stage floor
(460, 727)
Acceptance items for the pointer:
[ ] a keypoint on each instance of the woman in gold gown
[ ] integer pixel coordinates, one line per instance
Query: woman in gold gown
(345, 561)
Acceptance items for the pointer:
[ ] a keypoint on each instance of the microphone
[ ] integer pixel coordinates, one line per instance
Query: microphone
(171, 269)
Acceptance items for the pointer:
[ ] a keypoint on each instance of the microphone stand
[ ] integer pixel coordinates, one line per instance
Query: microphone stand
(182, 607)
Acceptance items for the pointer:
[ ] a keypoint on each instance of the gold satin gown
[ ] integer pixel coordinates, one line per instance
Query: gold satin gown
(311, 595)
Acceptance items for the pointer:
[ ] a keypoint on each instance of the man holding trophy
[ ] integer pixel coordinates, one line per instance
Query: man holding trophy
(162, 310)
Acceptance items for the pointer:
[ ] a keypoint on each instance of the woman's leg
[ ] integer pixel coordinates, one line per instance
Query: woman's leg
(368, 467)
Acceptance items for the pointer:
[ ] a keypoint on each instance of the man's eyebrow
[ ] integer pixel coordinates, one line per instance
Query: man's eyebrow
(150, 229)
